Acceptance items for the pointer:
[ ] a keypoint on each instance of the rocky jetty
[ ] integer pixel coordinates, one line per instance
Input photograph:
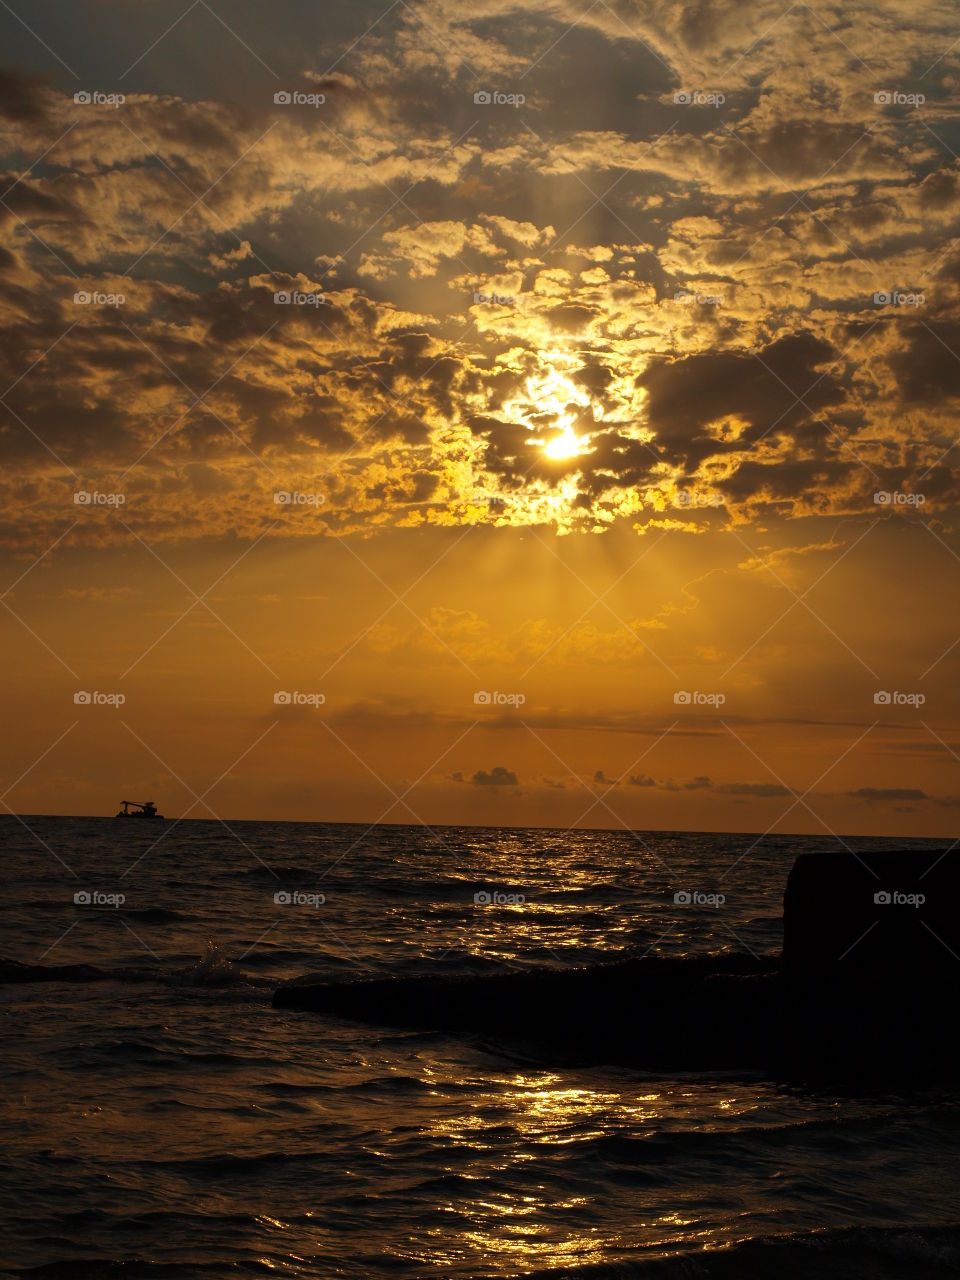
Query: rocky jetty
(864, 989)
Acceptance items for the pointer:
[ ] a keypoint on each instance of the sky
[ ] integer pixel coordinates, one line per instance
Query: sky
(534, 414)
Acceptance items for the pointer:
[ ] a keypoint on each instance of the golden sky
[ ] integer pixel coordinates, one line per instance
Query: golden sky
(507, 413)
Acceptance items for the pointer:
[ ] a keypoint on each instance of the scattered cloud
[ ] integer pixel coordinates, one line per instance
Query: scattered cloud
(498, 776)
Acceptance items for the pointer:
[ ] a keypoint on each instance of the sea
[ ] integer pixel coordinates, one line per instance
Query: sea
(161, 1119)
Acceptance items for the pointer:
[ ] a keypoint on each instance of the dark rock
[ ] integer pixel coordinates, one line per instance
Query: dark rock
(870, 966)
(891, 914)
(676, 1014)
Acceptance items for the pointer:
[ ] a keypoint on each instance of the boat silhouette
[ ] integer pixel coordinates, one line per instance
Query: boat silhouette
(138, 809)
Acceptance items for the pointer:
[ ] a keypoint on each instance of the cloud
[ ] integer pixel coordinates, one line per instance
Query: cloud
(23, 98)
(498, 776)
(787, 392)
(763, 790)
(702, 782)
(883, 794)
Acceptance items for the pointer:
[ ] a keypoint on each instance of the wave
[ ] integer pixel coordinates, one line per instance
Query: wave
(211, 969)
(450, 889)
(460, 890)
(883, 1253)
(37, 904)
(135, 1269)
(271, 874)
(14, 972)
(158, 915)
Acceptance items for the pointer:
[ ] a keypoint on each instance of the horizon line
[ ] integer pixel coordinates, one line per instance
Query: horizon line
(835, 838)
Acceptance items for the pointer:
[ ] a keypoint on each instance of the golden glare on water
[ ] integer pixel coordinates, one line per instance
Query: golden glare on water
(522, 1227)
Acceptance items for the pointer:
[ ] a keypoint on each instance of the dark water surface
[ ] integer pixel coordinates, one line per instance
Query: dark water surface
(166, 1121)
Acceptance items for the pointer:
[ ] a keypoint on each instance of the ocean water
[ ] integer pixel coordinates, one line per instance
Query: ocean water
(164, 1120)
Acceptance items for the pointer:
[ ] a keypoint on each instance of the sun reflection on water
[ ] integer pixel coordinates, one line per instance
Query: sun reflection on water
(529, 1128)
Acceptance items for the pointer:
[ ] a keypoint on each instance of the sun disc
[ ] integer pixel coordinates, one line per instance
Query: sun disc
(565, 445)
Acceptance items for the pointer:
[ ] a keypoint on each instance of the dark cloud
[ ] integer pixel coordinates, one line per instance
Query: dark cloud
(22, 97)
(927, 368)
(702, 782)
(425, 406)
(764, 790)
(498, 776)
(760, 389)
(881, 794)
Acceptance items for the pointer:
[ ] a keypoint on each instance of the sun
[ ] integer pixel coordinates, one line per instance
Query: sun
(551, 394)
(565, 445)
